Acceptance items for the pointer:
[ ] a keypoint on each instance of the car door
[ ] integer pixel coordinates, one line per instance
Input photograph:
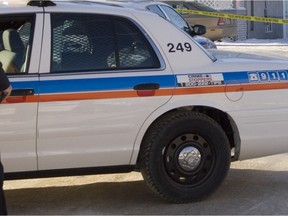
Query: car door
(106, 77)
(18, 113)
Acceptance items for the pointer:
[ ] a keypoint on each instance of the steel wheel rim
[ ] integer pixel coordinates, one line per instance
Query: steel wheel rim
(189, 159)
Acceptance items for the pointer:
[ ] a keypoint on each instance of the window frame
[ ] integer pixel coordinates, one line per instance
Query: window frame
(148, 40)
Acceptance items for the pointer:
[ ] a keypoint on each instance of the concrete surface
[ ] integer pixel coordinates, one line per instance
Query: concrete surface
(258, 186)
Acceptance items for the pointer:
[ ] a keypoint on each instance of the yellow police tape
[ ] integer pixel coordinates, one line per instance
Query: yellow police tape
(235, 16)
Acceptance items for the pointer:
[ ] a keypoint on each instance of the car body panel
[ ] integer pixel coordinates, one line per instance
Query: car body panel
(237, 99)
(84, 131)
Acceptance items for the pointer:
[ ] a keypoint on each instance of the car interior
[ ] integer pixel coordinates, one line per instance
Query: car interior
(14, 46)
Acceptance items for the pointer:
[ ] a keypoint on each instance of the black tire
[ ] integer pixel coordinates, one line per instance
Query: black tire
(162, 157)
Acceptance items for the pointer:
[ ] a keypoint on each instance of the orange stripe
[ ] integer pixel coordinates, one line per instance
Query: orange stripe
(265, 86)
(231, 88)
(199, 90)
(99, 95)
(87, 96)
(22, 99)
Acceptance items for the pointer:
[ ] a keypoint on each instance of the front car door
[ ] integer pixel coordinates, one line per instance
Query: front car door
(106, 78)
(18, 113)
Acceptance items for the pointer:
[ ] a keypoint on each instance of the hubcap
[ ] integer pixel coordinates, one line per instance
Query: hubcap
(189, 158)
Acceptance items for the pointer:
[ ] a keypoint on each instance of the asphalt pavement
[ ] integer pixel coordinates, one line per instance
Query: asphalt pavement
(252, 187)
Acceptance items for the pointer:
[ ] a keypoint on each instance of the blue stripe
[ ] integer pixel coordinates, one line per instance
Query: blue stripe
(263, 76)
(103, 84)
(127, 83)
(235, 77)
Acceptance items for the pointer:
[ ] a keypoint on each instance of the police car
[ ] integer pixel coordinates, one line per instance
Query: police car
(102, 88)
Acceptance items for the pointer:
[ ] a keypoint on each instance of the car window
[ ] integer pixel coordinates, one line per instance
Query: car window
(95, 42)
(15, 43)
(175, 17)
(156, 9)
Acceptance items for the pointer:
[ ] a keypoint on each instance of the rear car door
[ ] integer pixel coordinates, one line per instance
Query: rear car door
(106, 77)
(18, 114)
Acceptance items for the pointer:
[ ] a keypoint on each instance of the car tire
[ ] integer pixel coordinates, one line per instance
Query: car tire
(184, 157)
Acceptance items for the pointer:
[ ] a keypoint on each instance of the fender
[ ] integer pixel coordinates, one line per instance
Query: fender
(182, 102)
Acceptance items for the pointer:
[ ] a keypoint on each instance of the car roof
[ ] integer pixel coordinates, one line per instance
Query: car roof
(136, 4)
(82, 6)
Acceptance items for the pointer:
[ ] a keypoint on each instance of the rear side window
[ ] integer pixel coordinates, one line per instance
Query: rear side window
(175, 17)
(156, 9)
(95, 42)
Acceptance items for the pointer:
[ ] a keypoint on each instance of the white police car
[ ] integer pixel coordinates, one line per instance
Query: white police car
(101, 88)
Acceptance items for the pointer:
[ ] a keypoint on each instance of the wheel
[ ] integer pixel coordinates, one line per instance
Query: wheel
(184, 157)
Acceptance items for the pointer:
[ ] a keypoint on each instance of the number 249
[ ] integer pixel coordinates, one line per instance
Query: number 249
(179, 47)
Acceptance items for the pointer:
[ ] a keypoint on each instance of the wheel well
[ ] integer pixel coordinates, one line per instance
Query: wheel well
(226, 122)
(223, 119)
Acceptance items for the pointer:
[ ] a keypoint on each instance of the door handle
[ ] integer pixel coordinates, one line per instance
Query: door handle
(147, 86)
(146, 89)
(22, 92)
